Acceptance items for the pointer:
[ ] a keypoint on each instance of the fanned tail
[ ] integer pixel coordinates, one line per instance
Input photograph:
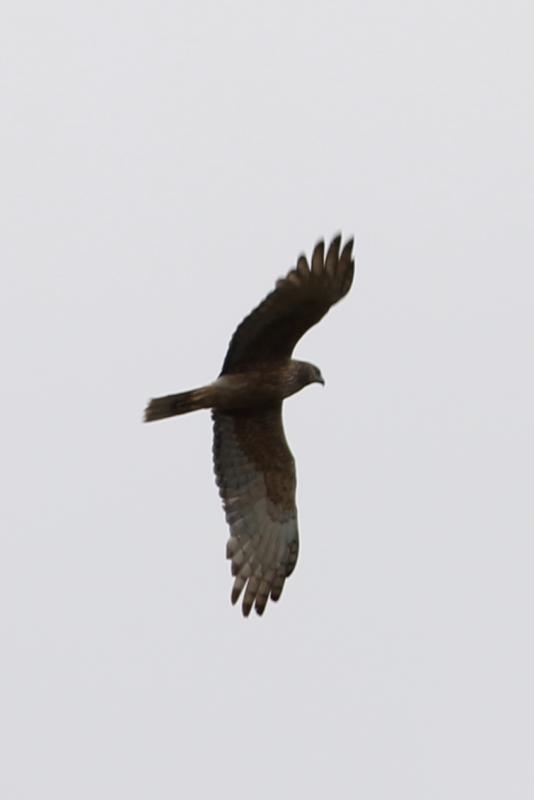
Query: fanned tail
(174, 404)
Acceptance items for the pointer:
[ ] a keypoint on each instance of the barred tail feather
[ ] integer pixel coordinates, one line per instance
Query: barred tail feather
(174, 404)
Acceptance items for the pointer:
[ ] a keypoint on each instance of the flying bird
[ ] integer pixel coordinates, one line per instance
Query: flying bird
(254, 467)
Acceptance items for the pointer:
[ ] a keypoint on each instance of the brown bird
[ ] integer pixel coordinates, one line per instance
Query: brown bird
(254, 468)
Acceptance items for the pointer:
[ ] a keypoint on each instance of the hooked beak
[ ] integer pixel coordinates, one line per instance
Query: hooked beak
(321, 381)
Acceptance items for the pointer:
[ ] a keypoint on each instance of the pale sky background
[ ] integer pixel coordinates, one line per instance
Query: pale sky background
(162, 164)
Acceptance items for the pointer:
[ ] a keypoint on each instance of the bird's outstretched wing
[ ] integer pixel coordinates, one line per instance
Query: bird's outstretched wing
(255, 472)
(298, 302)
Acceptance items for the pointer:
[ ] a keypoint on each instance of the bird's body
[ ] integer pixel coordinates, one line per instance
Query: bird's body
(254, 467)
(270, 383)
(267, 385)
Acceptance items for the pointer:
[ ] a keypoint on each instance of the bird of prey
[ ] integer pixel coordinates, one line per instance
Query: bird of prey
(254, 467)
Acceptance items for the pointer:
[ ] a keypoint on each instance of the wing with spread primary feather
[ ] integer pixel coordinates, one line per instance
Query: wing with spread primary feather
(298, 302)
(255, 472)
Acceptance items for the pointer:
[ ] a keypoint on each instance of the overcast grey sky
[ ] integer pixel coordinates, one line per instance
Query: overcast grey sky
(163, 164)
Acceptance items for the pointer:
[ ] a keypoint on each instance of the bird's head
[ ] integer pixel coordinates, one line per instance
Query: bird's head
(311, 373)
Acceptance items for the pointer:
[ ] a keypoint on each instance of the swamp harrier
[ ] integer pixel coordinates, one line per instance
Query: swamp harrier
(254, 468)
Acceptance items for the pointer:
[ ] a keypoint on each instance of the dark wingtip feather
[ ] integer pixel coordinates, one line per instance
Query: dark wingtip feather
(234, 597)
(299, 301)
(317, 260)
(346, 253)
(302, 266)
(277, 588)
(335, 243)
(332, 256)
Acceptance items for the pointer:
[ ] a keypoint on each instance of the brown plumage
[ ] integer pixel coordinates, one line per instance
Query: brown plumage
(254, 468)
